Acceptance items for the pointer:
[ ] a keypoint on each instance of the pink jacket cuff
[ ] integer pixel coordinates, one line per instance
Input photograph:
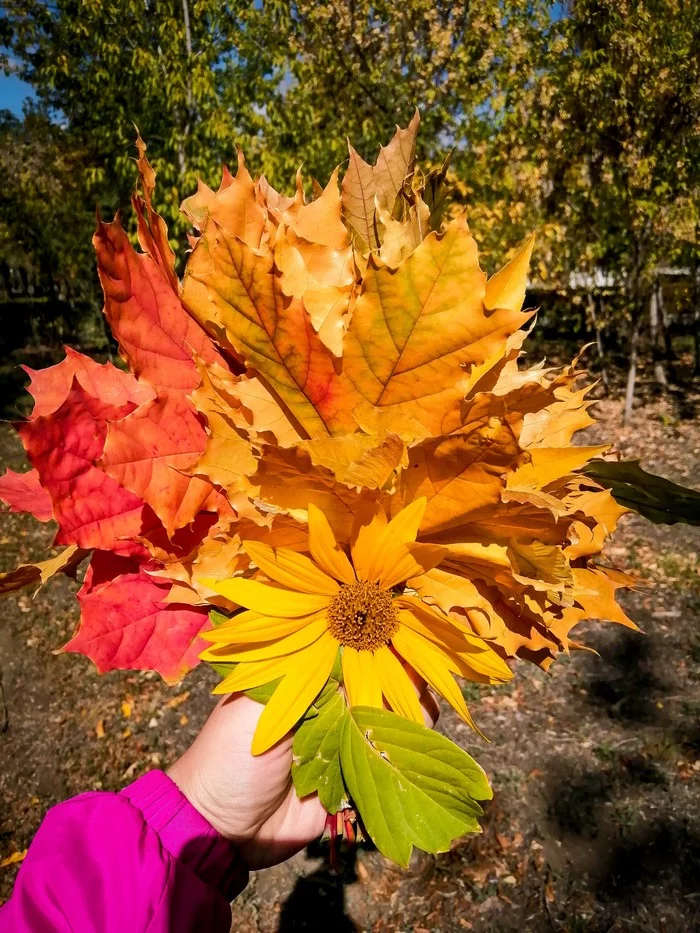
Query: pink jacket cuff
(186, 834)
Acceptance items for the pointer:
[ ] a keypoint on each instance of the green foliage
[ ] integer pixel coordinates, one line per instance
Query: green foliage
(189, 73)
(618, 100)
(577, 120)
(316, 765)
(411, 785)
(657, 499)
(46, 220)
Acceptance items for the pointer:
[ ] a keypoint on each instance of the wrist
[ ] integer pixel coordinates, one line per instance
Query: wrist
(186, 833)
(182, 775)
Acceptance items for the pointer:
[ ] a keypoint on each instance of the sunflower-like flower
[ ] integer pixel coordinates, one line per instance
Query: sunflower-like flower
(358, 604)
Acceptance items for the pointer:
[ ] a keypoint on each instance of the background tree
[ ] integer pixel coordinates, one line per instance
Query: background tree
(190, 73)
(46, 221)
(619, 102)
(365, 65)
(579, 120)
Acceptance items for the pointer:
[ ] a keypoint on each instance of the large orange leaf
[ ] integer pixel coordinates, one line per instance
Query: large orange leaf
(234, 292)
(414, 329)
(458, 474)
(156, 336)
(288, 482)
(147, 453)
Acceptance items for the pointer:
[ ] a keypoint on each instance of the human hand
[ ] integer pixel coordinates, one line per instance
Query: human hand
(247, 799)
(251, 799)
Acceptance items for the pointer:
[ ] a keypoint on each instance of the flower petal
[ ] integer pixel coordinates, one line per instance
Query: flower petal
(409, 560)
(255, 674)
(267, 600)
(291, 569)
(432, 667)
(262, 650)
(305, 679)
(249, 627)
(360, 678)
(366, 545)
(404, 526)
(325, 550)
(396, 685)
(379, 548)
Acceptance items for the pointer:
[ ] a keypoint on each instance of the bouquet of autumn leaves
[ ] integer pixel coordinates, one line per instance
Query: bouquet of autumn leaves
(323, 471)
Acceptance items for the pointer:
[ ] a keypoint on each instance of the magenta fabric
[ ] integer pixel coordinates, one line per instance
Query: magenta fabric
(142, 860)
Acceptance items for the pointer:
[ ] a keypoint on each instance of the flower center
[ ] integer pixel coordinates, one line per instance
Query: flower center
(362, 616)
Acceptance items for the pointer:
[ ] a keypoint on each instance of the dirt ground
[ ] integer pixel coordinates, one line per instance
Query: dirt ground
(595, 822)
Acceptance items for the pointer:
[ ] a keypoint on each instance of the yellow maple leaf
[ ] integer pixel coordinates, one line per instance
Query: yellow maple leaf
(363, 182)
(382, 367)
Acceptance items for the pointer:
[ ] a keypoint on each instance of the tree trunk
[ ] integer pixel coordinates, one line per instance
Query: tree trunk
(188, 115)
(669, 353)
(696, 319)
(654, 327)
(598, 342)
(632, 369)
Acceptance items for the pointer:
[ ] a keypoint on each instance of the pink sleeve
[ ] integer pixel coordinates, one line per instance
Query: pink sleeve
(142, 860)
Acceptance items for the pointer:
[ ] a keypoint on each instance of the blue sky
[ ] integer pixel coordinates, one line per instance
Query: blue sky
(13, 93)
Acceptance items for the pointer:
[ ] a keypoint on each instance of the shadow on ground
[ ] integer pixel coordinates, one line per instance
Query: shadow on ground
(317, 902)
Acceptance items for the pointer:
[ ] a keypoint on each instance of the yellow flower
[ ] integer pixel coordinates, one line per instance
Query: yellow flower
(316, 606)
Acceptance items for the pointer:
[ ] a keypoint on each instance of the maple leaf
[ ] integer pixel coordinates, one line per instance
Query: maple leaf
(91, 509)
(50, 387)
(29, 574)
(234, 206)
(414, 329)
(152, 230)
(233, 290)
(286, 481)
(23, 492)
(156, 336)
(228, 455)
(363, 182)
(148, 452)
(126, 624)
(506, 289)
(459, 473)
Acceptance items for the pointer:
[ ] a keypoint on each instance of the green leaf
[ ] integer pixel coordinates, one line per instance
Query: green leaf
(264, 692)
(316, 764)
(325, 696)
(411, 785)
(657, 499)
(218, 618)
